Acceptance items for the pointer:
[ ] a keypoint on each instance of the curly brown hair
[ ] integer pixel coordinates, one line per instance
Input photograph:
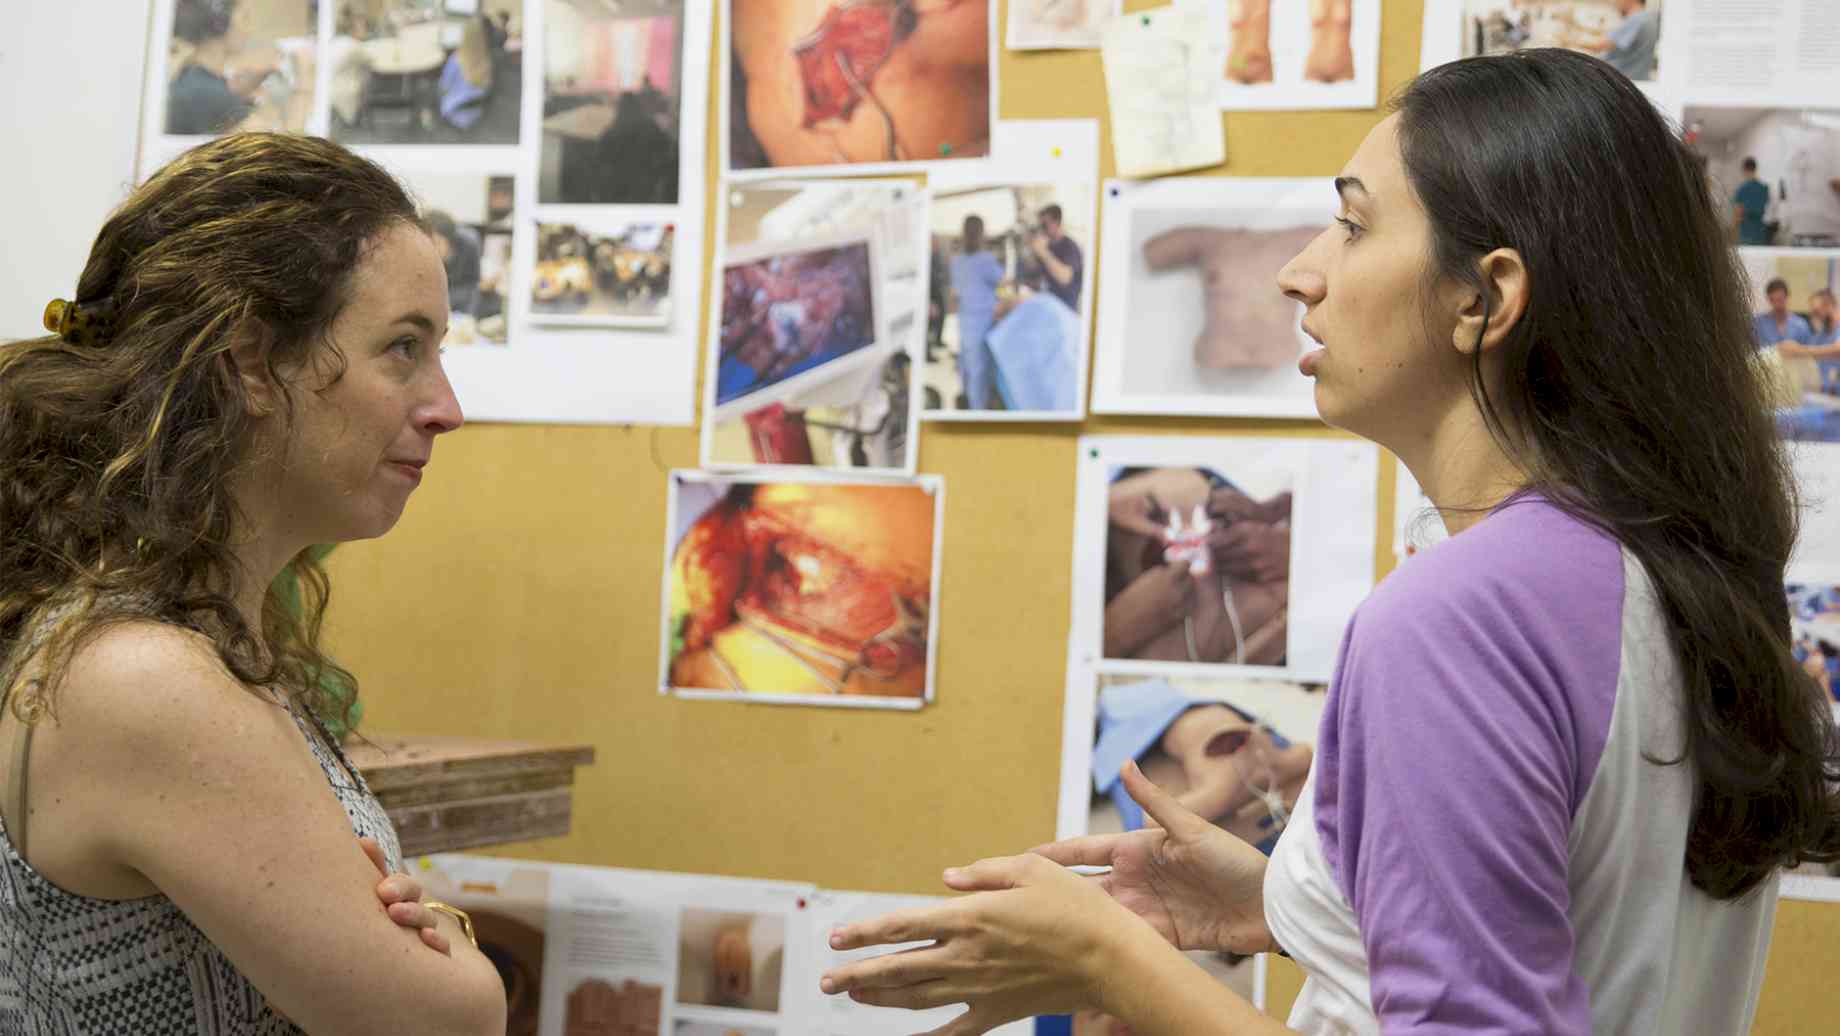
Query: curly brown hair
(117, 456)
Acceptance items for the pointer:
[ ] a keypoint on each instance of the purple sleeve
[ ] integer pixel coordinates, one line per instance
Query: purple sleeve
(1471, 706)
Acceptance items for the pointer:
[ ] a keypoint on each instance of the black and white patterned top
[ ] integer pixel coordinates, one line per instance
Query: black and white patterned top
(71, 965)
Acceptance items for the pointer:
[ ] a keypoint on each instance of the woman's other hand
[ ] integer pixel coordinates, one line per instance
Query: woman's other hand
(1034, 940)
(401, 896)
(1197, 885)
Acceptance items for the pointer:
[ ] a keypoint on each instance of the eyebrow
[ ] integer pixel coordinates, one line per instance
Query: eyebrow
(419, 320)
(1344, 184)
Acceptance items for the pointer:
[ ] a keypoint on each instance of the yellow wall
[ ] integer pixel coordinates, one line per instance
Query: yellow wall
(519, 598)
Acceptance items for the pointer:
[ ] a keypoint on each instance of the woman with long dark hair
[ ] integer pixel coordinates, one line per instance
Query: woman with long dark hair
(1566, 752)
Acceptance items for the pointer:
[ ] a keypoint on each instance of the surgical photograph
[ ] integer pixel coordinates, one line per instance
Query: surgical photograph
(857, 83)
(469, 218)
(1624, 33)
(427, 71)
(1008, 298)
(615, 273)
(240, 65)
(1797, 329)
(819, 292)
(612, 88)
(1234, 751)
(1774, 171)
(1198, 564)
(814, 589)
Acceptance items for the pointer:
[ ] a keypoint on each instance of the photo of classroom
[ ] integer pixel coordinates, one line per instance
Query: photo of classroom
(469, 218)
(621, 275)
(1776, 171)
(1622, 32)
(239, 65)
(427, 71)
(612, 81)
(1005, 318)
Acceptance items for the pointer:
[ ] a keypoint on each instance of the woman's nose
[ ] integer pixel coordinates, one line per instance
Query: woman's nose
(1301, 279)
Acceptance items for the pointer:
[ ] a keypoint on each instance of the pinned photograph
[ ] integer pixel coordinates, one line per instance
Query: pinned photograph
(819, 289)
(814, 592)
(427, 71)
(619, 275)
(1193, 321)
(1226, 557)
(1010, 299)
(1625, 33)
(1197, 565)
(238, 66)
(731, 959)
(1059, 24)
(689, 1028)
(1302, 55)
(877, 83)
(1797, 330)
(1777, 171)
(469, 218)
(1814, 623)
(612, 98)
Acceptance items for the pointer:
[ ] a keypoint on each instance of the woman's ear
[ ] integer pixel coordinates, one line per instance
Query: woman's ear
(246, 359)
(1501, 301)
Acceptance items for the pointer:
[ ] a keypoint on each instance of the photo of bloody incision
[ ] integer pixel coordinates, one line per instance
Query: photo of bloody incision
(788, 313)
(801, 588)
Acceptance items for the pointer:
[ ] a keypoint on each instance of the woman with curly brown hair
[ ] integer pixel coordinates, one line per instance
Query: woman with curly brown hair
(250, 367)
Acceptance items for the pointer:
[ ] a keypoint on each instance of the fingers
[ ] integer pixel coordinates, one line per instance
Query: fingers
(375, 852)
(888, 971)
(1085, 851)
(971, 1023)
(914, 998)
(989, 875)
(921, 924)
(436, 941)
(1160, 805)
(399, 888)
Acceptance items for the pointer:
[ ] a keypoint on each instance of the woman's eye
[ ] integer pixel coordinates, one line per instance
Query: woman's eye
(1350, 227)
(406, 346)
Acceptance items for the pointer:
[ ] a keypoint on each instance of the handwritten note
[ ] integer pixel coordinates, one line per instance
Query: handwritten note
(1161, 78)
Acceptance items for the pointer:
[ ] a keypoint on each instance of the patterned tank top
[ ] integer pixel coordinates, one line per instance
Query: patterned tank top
(71, 965)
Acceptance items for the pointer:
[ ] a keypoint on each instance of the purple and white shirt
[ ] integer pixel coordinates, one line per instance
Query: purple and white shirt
(1481, 846)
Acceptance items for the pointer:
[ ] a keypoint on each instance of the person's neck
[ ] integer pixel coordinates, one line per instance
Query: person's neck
(1461, 467)
(266, 548)
(1780, 316)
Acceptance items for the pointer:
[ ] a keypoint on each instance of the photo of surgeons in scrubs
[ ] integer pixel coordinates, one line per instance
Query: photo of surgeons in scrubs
(239, 65)
(1622, 32)
(1235, 752)
(1814, 624)
(1006, 317)
(1197, 566)
(1776, 170)
(1797, 330)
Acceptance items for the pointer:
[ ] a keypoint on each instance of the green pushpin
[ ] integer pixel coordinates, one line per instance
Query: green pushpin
(945, 149)
(1146, 19)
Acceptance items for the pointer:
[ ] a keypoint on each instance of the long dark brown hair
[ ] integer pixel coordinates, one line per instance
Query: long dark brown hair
(1632, 398)
(116, 455)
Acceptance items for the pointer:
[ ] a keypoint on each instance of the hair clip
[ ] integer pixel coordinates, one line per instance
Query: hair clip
(87, 325)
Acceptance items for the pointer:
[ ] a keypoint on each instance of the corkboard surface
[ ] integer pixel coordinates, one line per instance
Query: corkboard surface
(519, 599)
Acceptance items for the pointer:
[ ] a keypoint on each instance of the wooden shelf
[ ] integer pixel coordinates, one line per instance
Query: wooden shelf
(450, 793)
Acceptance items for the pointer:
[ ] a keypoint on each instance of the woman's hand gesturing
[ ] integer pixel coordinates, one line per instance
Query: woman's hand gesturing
(1199, 886)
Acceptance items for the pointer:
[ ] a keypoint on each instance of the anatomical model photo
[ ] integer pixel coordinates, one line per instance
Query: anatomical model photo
(1299, 54)
(857, 82)
(1191, 319)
